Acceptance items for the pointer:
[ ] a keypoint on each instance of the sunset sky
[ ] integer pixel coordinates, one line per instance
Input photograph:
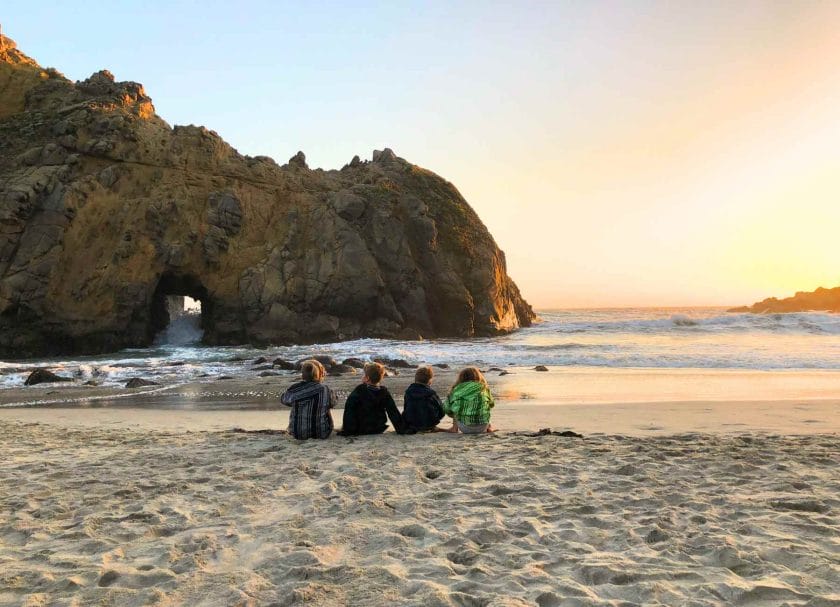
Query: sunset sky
(621, 153)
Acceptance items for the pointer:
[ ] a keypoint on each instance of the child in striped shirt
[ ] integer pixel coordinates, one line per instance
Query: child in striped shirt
(311, 402)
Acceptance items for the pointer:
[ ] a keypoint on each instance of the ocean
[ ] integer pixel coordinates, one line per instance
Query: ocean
(650, 353)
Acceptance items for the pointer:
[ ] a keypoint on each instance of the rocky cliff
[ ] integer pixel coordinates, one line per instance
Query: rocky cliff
(105, 210)
(822, 300)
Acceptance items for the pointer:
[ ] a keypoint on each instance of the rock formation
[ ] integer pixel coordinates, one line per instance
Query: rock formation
(105, 210)
(821, 300)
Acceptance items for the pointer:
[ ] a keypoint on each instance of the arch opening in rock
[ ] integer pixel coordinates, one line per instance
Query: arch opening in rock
(181, 312)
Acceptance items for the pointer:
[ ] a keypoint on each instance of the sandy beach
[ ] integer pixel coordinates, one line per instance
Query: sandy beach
(121, 511)
(148, 496)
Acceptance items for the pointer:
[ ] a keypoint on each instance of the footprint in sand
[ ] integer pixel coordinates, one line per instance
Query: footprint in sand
(656, 536)
(108, 578)
(463, 557)
(416, 531)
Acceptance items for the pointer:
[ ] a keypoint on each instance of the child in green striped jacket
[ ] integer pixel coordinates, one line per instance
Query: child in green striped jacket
(469, 403)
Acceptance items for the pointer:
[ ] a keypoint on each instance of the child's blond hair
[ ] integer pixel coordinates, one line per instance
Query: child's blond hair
(312, 370)
(470, 374)
(423, 375)
(375, 372)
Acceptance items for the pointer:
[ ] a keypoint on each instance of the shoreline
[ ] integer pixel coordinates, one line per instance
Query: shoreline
(789, 418)
(561, 384)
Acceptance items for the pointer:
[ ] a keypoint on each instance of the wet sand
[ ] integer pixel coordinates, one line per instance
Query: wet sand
(628, 419)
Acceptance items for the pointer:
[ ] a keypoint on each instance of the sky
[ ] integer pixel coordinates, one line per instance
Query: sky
(621, 153)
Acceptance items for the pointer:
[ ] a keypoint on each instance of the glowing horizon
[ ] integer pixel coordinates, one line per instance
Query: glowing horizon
(665, 154)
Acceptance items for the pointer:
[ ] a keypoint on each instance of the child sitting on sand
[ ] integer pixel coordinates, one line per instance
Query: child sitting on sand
(469, 403)
(368, 404)
(422, 409)
(311, 402)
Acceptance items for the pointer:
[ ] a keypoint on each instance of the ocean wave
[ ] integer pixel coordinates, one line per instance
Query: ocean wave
(679, 339)
(789, 323)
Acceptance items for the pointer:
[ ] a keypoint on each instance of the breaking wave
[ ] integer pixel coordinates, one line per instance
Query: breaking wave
(652, 338)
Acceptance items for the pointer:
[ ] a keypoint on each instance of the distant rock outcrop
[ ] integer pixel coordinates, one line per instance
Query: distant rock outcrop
(105, 211)
(821, 300)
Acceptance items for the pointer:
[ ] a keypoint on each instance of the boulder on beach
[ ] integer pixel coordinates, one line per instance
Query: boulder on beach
(107, 211)
(43, 376)
(327, 361)
(283, 364)
(542, 368)
(358, 363)
(341, 369)
(394, 363)
(139, 382)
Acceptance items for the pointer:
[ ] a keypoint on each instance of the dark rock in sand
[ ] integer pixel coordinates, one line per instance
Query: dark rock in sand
(43, 376)
(139, 382)
(269, 374)
(91, 382)
(259, 361)
(504, 373)
(493, 369)
(441, 366)
(396, 363)
(283, 364)
(223, 377)
(541, 368)
(262, 368)
(341, 369)
(105, 209)
(358, 363)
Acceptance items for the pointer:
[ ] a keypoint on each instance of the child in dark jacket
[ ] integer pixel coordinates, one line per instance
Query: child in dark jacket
(368, 404)
(422, 409)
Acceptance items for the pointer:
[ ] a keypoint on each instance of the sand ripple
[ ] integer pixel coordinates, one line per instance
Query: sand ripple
(111, 516)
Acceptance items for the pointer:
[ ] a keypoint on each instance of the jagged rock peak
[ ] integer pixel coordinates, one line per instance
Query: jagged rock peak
(299, 160)
(106, 211)
(385, 156)
(9, 53)
(103, 84)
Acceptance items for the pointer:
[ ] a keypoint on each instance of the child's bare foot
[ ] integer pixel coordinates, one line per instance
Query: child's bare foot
(491, 428)
(454, 429)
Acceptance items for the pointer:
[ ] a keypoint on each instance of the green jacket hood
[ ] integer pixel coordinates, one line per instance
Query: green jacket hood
(467, 389)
